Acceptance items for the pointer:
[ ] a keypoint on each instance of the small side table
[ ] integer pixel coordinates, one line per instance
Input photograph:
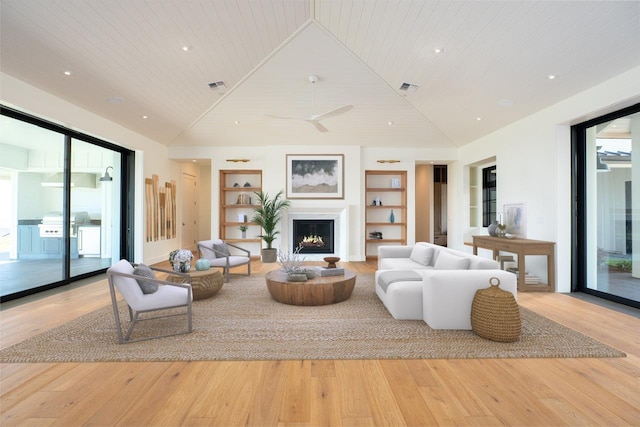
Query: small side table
(204, 283)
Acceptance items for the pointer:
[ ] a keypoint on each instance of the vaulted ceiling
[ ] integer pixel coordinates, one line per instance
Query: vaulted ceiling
(130, 59)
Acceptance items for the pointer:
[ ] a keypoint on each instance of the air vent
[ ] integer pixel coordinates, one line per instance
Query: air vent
(409, 87)
(217, 85)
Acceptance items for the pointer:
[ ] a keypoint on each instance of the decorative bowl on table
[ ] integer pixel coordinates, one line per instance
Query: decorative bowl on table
(331, 260)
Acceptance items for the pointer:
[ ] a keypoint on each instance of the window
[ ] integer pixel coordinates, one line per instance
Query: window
(605, 261)
(489, 192)
(63, 218)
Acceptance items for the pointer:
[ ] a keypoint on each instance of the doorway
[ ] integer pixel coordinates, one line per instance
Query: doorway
(189, 212)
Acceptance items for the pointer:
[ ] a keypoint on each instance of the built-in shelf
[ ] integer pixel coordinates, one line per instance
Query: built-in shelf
(236, 200)
(391, 188)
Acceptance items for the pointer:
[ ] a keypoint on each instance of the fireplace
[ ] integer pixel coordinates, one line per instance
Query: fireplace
(316, 236)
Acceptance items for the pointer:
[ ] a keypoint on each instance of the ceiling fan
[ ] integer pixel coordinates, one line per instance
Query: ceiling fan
(314, 119)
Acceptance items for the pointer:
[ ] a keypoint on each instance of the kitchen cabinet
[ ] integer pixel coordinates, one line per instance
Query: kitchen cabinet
(89, 241)
(32, 246)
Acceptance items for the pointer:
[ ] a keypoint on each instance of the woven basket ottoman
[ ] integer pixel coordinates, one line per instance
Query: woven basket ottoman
(495, 314)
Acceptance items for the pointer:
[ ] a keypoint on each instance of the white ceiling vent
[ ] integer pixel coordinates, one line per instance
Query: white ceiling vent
(217, 85)
(409, 87)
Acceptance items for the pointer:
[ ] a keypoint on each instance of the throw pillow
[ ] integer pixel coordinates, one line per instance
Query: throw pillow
(421, 254)
(221, 250)
(148, 287)
(447, 261)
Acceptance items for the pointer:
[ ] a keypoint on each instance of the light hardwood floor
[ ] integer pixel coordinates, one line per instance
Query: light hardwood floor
(544, 392)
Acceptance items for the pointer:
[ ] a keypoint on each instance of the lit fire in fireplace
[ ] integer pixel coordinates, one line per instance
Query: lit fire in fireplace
(315, 241)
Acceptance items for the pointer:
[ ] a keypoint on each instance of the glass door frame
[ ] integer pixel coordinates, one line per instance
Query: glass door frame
(579, 191)
(126, 190)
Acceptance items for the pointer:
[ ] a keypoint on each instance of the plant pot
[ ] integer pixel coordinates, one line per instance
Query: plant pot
(269, 255)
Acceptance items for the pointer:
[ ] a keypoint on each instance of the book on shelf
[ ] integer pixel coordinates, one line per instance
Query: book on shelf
(326, 272)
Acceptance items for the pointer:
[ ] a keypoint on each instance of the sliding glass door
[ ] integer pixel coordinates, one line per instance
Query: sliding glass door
(65, 210)
(607, 229)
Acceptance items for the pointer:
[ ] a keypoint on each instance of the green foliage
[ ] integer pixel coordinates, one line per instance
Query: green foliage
(620, 264)
(268, 214)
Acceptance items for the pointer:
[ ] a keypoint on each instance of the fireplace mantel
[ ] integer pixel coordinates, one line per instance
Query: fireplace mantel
(340, 217)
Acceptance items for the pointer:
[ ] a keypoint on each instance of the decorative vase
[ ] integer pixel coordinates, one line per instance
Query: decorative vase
(392, 217)
(182, 267)
(244, 234)
(203, 264)
(493, 228)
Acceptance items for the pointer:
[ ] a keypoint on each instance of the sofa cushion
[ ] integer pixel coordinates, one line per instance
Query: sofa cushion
(400, 264)
(421, 254)
(388, 277)
(447, 261)
(147, 286)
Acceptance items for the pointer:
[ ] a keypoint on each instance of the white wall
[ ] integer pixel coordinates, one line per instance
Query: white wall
(534, 167)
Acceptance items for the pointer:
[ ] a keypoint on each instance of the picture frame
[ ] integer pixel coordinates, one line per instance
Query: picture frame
(515, 219)
(315, 176)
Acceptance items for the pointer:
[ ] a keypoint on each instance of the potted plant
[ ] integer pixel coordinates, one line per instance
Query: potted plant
(243, 228)
(267, 215)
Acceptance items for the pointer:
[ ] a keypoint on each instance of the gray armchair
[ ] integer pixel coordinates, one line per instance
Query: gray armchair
(219, 254)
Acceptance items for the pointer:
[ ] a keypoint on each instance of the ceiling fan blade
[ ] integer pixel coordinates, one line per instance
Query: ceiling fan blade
(334, 112)
(318, 125)
(287, 118)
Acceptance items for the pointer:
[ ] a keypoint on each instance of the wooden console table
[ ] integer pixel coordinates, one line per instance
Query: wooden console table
(522, 248)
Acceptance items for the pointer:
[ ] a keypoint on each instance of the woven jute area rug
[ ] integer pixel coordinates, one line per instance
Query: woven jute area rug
(242, 322)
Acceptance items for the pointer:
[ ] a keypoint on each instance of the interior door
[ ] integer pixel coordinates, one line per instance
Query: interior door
(189, 212)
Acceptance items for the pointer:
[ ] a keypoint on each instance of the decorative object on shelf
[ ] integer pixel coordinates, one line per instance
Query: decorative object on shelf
(495, 314)
(331, 261)
(395, 183)
(243, 229)
(377, 202)
(243, 199)
(392, 217)
(377, 235)
(267, 214)
(242, 218)
(315, 176)
(203, 264)
(247, 184)
(501, 230)
(180, 260)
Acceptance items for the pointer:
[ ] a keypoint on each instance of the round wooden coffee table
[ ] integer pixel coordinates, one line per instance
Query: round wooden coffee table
(318, 291)
(204, 283)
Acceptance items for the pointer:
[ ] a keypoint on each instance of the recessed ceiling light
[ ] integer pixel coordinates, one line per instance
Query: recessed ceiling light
(478, 118)
(236, 122)
(186, 48)
(67, 73)
(551, 76)
(438, 49)
(145, 117)
(389, 123)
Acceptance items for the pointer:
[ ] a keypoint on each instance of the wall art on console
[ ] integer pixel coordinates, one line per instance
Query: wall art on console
(515, 219)
(315, 176)
(160, 209)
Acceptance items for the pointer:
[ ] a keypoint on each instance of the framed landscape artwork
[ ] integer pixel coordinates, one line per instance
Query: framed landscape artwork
(315, 176)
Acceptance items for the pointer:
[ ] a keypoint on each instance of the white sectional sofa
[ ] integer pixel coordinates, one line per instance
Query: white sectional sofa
(434, 283)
